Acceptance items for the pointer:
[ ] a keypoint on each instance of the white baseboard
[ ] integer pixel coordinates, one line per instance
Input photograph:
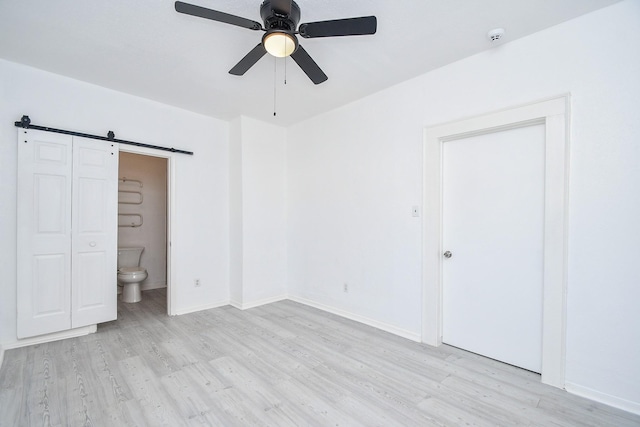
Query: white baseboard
(236, 304)
(56, 336)
(195, 308)
(149, 286)
(361, 319)
(1, 356)
(607, 399)
(257, 303)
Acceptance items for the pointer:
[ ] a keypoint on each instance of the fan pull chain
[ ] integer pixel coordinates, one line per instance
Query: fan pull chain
(285, 70)
(275, 84)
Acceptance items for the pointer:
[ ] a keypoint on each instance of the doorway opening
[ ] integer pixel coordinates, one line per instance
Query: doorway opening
(553, 114)
(144, 222)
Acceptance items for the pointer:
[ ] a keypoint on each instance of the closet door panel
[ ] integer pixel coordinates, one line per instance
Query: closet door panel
(49, 289)
(95, 198)
(43, 233)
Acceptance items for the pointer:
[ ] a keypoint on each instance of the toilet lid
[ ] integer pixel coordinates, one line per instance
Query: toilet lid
(130, 270)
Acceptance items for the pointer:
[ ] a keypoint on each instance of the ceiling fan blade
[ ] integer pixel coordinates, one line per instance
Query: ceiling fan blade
(339, 27)
(281, 6)
(214, 15)
(249, 60)
(308, 65)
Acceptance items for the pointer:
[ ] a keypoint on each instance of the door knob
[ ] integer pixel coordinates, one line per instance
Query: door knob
(448, 254)
(92, 244)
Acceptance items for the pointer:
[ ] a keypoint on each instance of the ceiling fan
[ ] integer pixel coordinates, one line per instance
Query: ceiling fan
(281, 19)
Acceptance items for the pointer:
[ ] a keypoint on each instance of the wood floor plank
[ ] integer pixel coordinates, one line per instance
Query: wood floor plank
(449, 414)
(258, 393)
(282, 364)
(157, 406)
(596, 413)
(189, 399)
(210, 385)
(12, 381)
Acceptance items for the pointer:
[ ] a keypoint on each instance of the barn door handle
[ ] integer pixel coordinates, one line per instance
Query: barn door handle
(448, 254)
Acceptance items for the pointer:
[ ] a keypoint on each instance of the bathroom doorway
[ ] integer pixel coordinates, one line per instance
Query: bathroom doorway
(143, 217)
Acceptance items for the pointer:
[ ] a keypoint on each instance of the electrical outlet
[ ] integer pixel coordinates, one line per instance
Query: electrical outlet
(196, 283)
(345, 287)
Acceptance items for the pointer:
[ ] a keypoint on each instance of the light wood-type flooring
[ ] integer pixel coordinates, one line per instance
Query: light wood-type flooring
(283, 364)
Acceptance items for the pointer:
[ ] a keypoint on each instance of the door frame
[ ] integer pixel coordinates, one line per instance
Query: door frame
(554, 114)
(171, 210)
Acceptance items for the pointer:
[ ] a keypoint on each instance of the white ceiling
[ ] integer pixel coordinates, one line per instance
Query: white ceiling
(145, 48)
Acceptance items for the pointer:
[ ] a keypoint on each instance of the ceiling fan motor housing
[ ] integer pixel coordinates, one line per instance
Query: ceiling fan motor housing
(279, 20)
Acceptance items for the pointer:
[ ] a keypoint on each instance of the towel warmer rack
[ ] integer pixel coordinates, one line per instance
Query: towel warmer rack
(131, 222)
(129, 197)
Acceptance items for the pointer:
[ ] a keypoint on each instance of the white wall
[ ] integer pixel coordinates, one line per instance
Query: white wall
(152, 235)
(236, 246)
(258, 221)
(264, 214)
(354, 173)
(201, 183)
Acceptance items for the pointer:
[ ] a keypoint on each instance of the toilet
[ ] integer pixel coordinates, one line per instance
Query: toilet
(130, 274)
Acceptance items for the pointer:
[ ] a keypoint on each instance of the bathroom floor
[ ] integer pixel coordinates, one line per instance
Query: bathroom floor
(282, 364)
(154, 303)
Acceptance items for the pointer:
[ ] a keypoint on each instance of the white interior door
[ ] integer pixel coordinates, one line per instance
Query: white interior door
(95, 232)
(44, 233)
(493, 226)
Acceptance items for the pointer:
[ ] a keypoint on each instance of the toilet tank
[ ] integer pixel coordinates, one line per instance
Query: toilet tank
(129, 257)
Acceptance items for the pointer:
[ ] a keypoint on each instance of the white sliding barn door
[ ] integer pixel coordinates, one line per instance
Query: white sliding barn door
(67, 232)
(95, 222)
(44, 232)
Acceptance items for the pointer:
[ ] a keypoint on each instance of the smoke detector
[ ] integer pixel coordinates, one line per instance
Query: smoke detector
(496, 34)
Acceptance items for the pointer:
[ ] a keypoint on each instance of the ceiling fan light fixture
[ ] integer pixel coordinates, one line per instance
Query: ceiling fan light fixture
(280, 44)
